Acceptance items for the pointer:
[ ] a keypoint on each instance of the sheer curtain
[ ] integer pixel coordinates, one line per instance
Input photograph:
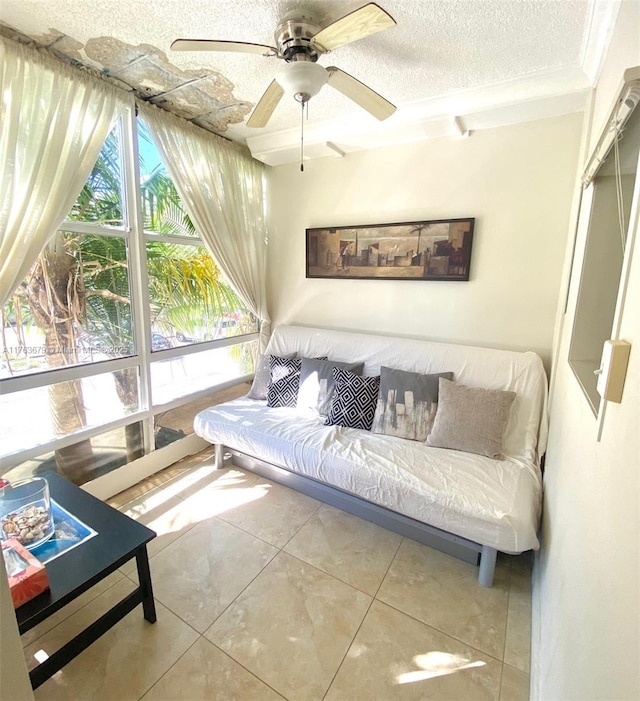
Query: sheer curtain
(223, 190)
(54, 121)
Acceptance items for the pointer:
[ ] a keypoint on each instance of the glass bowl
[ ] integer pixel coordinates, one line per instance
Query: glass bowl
(25, 512)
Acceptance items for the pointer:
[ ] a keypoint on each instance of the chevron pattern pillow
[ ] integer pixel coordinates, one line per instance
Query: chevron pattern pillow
(282, 390)
(353, 404)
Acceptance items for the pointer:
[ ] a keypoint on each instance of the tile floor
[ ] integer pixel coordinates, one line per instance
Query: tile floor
(264, 593)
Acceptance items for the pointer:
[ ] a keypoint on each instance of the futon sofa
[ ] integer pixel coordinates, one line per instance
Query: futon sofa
(463, 503)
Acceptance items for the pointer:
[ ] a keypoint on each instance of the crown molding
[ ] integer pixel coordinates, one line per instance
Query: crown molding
(602, 22)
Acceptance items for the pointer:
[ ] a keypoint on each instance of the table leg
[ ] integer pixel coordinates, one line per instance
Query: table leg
(144, 577)
(58, 659)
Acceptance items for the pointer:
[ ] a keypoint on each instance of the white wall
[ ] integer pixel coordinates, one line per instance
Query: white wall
(517, 181)
(587, 578)
(14, 680)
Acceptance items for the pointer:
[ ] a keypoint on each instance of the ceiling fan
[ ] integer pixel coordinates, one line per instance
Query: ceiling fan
(300, 41)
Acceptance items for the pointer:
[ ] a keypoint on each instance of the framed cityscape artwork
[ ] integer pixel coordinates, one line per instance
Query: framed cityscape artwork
(423, 250)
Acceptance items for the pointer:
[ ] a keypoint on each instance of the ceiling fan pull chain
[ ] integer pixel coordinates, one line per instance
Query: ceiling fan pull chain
(302, 139)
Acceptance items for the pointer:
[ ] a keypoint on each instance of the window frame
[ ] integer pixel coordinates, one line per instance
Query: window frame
(625, 105)
(136, 238)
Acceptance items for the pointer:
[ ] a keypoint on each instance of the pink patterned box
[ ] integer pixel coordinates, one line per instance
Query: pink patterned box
(27, 575)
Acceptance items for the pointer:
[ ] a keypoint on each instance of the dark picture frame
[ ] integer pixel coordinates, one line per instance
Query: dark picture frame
(438, 249)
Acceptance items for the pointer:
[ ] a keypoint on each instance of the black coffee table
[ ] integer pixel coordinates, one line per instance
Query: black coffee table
(119, 539)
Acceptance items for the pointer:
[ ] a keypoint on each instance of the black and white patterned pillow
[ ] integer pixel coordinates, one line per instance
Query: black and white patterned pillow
(284, 381)
(262, 375)
(354, 400)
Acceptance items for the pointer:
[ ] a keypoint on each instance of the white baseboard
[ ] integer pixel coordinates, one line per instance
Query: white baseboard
(126, 476)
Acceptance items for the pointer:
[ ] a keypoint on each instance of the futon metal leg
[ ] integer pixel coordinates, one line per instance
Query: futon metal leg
(487, 565)
(219, 463)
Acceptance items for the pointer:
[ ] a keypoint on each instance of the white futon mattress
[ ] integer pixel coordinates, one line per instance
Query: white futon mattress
(491, 502)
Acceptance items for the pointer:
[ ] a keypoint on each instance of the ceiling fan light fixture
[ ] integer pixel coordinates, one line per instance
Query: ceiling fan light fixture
(301, 79)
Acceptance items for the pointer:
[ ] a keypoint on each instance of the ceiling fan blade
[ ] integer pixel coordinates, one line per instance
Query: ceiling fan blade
(264, 109)
(212, 45)
(369, 19)
(361, 94)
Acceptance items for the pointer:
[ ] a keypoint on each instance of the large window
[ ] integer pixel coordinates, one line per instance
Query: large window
(74, 306)
(123, 318)
(189, 297)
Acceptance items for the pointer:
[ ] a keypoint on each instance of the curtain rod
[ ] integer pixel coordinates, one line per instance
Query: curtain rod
(626, 102)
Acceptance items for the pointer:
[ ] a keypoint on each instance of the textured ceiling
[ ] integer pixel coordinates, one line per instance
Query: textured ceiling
(440, 48)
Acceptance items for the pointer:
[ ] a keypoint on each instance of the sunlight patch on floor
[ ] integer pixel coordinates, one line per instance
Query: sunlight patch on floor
(175, 487)
(215, 499)
(437, 664)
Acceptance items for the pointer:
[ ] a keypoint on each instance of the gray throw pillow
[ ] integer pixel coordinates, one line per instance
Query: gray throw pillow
(317, 383)
(407, 403)
(262, 375)
(471, 419)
